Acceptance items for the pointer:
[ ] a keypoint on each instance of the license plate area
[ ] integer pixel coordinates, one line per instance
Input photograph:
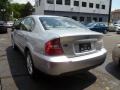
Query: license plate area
(84, 47)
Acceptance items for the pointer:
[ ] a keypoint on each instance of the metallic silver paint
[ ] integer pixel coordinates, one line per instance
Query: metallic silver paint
(70, 61)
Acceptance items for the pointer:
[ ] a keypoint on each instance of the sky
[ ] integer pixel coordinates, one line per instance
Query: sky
(115, 3)
(24, 1)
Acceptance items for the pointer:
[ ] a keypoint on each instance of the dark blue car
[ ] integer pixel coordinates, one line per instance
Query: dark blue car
(98, 27)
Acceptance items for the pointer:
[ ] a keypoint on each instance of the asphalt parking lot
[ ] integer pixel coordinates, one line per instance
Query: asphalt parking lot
(13, 73)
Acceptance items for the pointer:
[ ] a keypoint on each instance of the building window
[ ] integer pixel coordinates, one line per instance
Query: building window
(95, 19)
(90, 5)
(50, 1)
(88, 19)
(74, 17)
(82, 19)
(58, 1)
(76, 3)
(100, 19)
(97, 6)
(103, 6)
(84, 4)
(67, 2)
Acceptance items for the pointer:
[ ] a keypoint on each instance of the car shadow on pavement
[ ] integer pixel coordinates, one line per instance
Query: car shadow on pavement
(22, 81)
(113, 69)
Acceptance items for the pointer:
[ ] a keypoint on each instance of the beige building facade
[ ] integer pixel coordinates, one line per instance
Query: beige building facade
(115, 15)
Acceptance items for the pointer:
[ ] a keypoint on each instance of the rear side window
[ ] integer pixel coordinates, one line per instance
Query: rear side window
(27, 24)
(102, 25)
(97, 25)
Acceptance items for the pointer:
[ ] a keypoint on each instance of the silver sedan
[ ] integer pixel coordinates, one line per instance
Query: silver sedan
(57, 45)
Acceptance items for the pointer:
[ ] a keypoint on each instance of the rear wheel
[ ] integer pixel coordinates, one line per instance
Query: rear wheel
(29, 64)
(5, 30)
(105, 32)
(117, 32)
(118, 63)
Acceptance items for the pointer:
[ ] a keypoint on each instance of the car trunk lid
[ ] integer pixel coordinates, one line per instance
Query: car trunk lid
(77, 42)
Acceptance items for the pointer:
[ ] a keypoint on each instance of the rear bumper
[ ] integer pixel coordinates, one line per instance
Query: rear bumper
(62, 64)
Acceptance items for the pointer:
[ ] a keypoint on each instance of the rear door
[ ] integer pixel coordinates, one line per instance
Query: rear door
(22, 34)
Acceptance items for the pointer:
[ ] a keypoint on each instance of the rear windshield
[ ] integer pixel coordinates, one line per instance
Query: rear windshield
(90, 24)
(59, 22)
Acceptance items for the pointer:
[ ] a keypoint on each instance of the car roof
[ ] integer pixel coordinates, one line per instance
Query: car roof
(38, 16)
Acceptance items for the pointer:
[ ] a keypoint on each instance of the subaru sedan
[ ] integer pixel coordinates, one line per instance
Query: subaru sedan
(57, 45)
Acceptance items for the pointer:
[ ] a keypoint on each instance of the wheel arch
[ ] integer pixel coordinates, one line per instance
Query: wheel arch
(26, 50)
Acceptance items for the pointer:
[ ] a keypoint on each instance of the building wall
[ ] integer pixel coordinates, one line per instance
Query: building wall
(75, 11)
(95, 10)
(115, 15)
(39, 7)
(72, 8)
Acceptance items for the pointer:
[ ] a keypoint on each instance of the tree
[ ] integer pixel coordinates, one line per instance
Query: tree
(17, 9)
(28, 10)
(4, 9)
(10, 10)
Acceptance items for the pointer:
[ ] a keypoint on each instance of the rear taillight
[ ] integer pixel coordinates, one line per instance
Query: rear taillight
(53, 47)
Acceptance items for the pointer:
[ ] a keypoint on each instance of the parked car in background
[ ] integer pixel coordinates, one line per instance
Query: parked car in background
(9, 24)
(117, 26)
(98, 27)
(3, 27)
(112, 27)
(57, 45)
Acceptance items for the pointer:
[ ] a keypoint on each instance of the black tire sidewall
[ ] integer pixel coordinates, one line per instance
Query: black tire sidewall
(33, 68)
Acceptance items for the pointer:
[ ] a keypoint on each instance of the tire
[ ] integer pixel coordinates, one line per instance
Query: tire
(119, 62)
(117, 32)
(30, 66)
(5, 30)
(105, 32)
